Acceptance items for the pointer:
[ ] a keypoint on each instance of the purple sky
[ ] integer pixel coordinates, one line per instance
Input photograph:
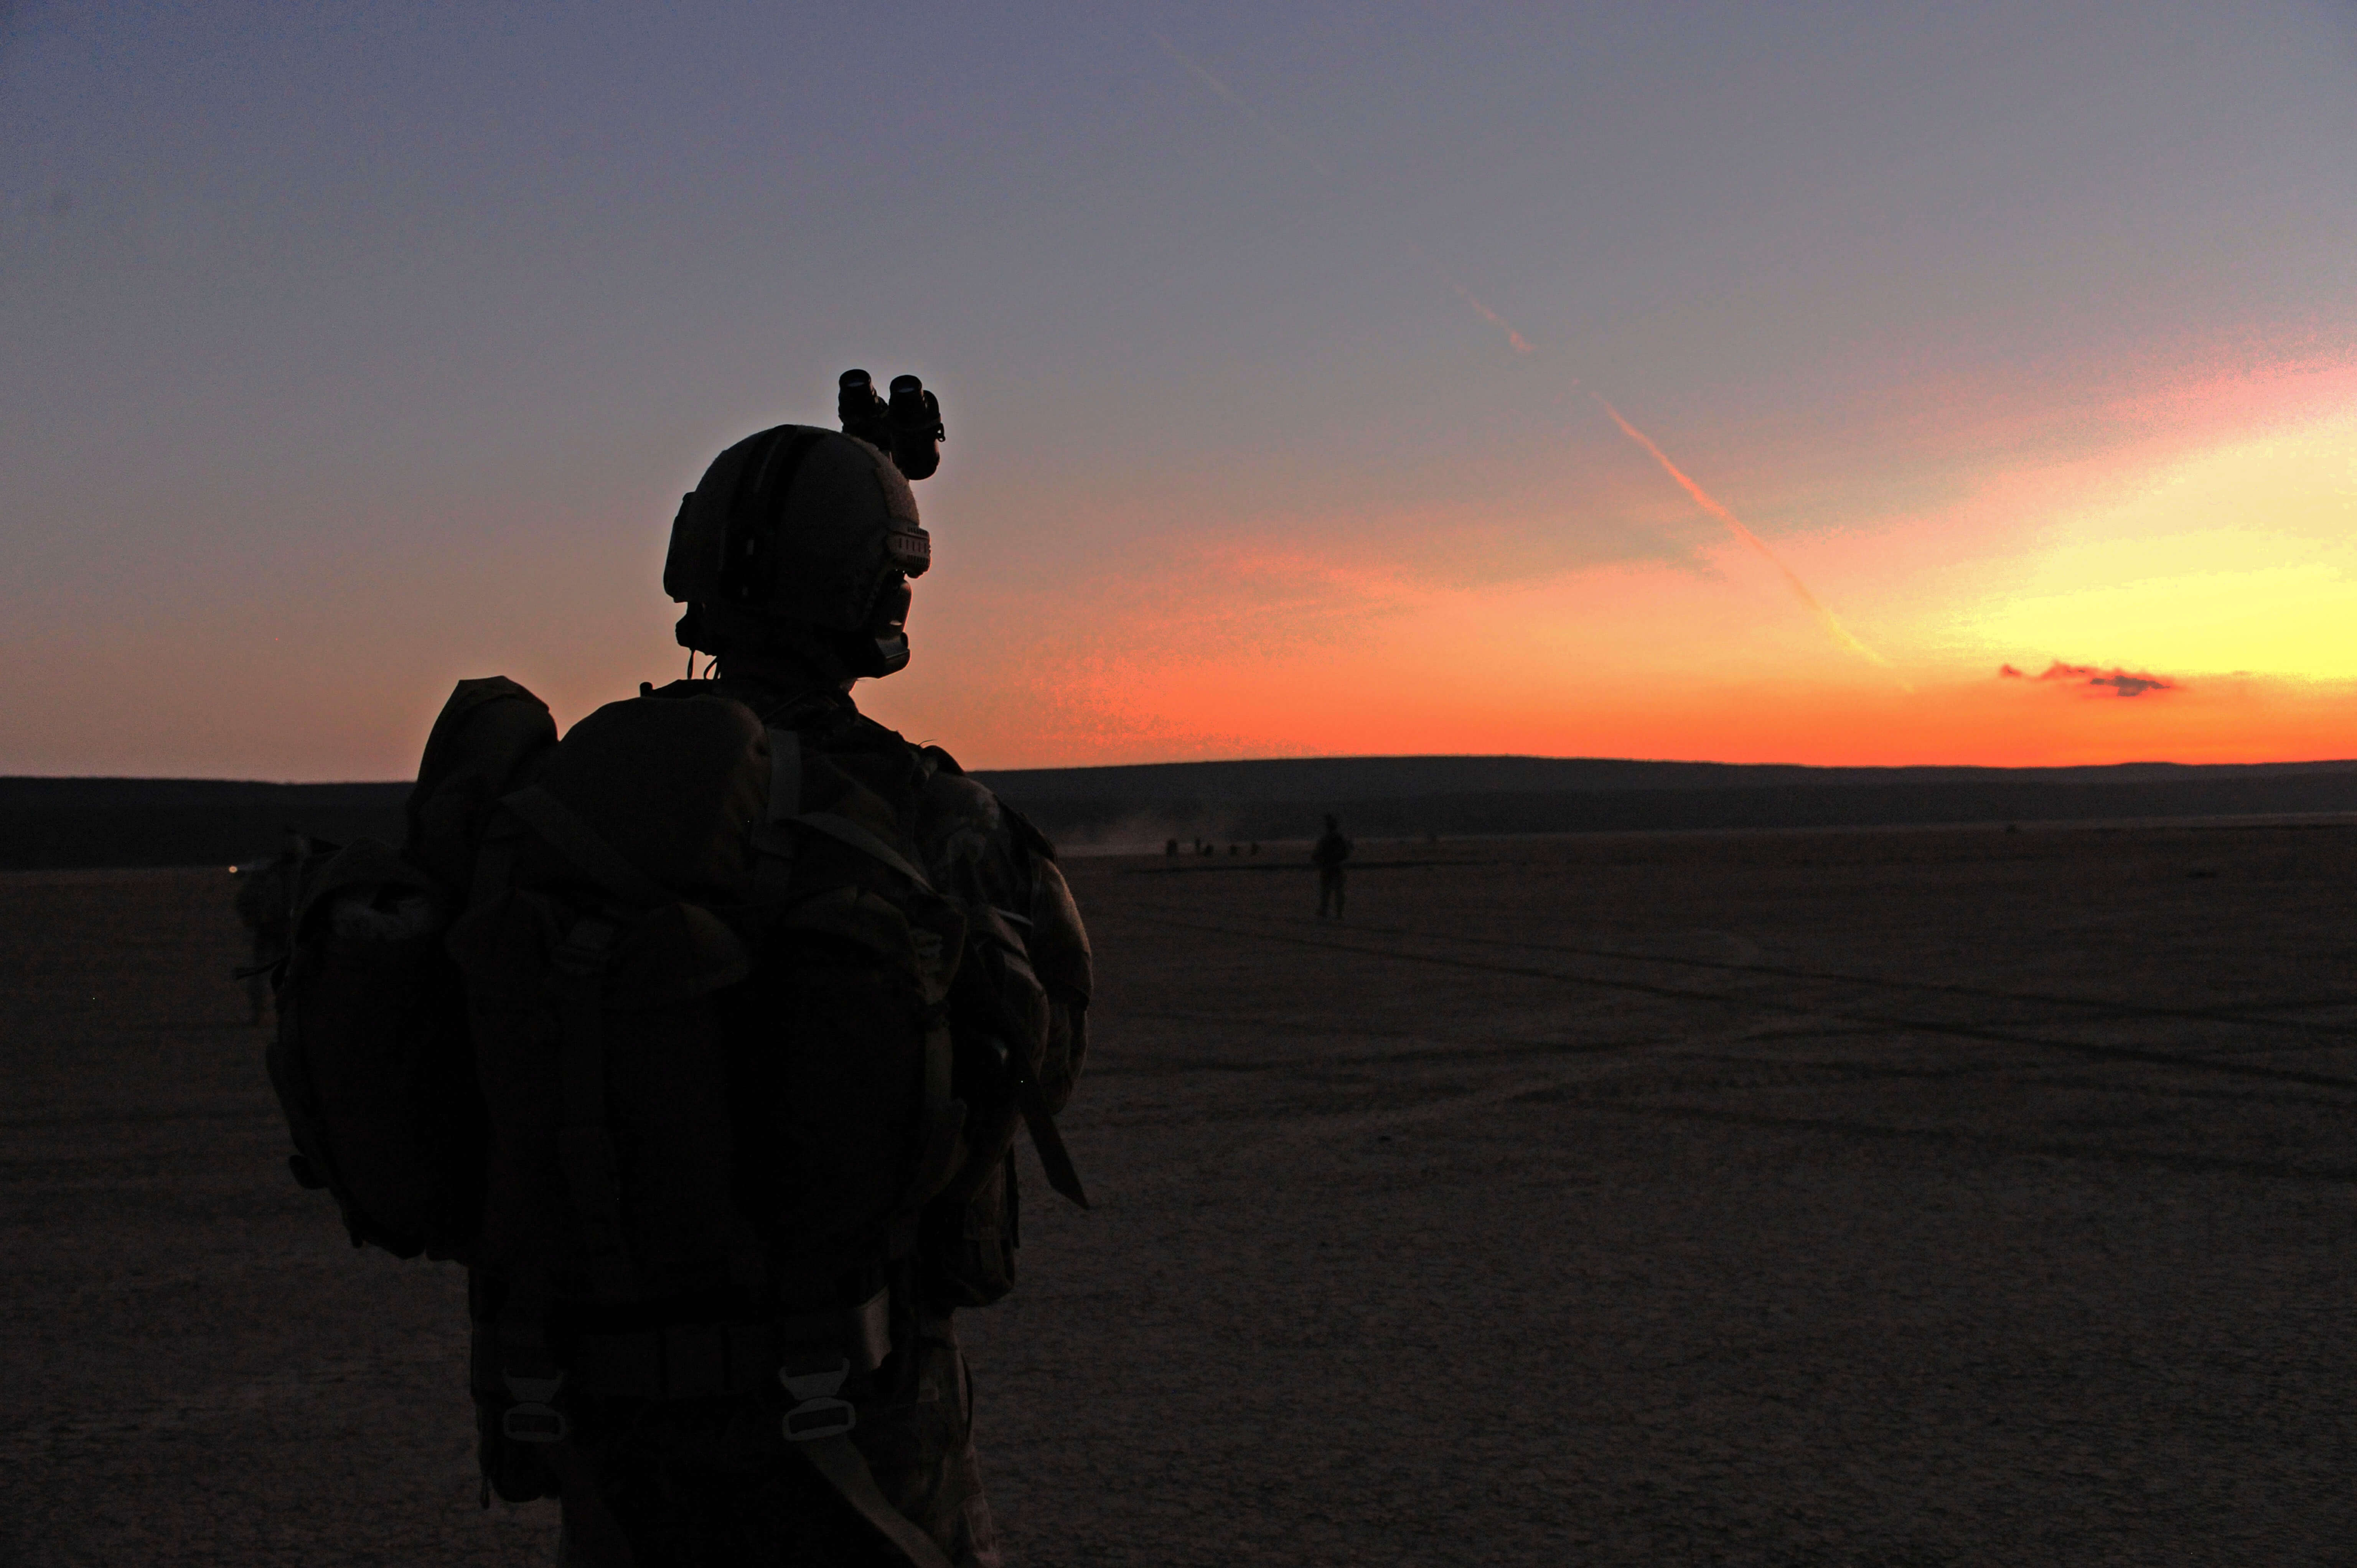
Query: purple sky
(354, 349)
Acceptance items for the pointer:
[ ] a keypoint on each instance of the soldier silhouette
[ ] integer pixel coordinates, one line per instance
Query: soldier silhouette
(747, 998)
(1328, 855)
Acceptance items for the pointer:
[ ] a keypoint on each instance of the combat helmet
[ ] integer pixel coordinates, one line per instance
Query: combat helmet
(799, 540)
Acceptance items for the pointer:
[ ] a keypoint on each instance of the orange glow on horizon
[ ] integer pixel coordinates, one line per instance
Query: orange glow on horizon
(2204, 599)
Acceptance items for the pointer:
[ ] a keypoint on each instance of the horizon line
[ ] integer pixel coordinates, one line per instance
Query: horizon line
(2328, 762)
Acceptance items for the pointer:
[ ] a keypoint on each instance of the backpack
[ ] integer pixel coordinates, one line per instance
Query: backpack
(664, 1025)
(707, 984)
(371, 1060)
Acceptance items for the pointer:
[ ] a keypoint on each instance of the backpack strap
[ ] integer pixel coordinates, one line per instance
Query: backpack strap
(1046, 1136)
(585, 1147)
(1055, 1157)
(785, 795)
(582, 844)
(812, 1374)
(939, 1151)
(811, 1356)
(693, 1359)
(835, 1459)
(785, 773)
(844, 830)
(512, 1356)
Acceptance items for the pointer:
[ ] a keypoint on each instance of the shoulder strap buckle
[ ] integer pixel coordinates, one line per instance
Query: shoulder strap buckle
(534, 1418)
(819, 1413)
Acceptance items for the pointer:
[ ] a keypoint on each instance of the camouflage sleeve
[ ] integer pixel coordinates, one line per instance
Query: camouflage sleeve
(986, 857)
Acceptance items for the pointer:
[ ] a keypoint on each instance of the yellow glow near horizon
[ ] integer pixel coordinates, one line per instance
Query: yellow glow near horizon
(2242, 558)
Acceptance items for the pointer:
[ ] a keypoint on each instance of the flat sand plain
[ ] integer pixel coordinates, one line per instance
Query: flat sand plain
(1874, 1197)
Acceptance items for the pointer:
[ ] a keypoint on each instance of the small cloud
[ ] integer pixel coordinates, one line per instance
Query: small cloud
(2118, 681)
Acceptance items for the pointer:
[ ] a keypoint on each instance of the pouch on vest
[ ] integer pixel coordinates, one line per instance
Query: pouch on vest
(370, 1060)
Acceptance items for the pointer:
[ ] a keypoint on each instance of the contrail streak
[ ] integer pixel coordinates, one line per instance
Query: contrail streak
(1841, 633)
(1275, 132)
(1703, 498)
(1521, 344)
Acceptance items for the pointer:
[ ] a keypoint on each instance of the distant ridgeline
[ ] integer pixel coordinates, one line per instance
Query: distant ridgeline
(1414, 796)
(47, 823)
(57, 823)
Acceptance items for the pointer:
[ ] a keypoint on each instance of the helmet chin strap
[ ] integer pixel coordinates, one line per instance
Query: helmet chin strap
(871, 658)
(783, 674)
(841, 656)
(887, 628)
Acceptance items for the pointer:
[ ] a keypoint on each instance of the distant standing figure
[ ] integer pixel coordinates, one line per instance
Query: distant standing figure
(1170, 846)
(266, 903)
(1328, 856)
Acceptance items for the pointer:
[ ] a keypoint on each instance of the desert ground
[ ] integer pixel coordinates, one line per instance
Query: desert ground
(1877, 1197)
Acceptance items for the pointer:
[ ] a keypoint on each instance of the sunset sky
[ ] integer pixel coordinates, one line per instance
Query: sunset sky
(1737, 382)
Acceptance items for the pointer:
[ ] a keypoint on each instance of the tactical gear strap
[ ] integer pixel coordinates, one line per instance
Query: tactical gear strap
(990, 1138)
(844, 830)
(786, 793)
(518, 1336)
(835, 1459)
(585, 1147)
(776, 846)
(579, 843)
(534, 1417)
(591, 1537)
(1054, 1158)
(710, 1360)
(867, 1331)
(815, 1385)
(785, 774)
